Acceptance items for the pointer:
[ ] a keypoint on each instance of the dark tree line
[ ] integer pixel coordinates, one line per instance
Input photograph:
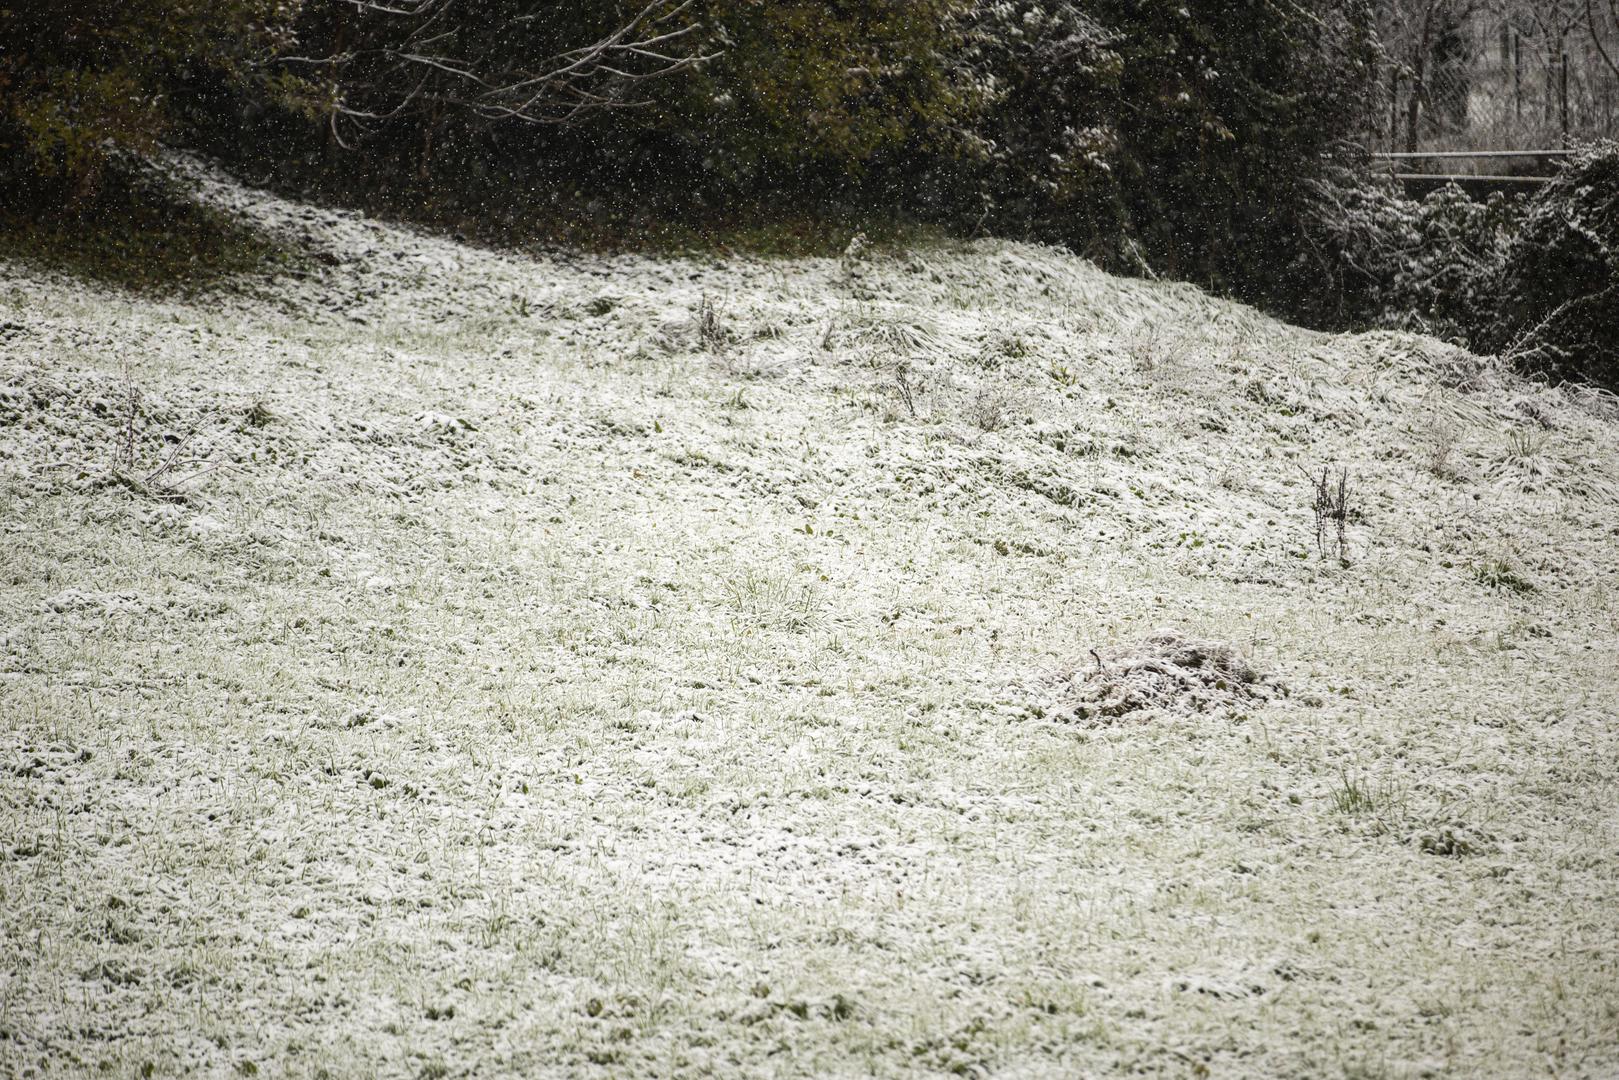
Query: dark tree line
(1192, 139)
(1140, 131)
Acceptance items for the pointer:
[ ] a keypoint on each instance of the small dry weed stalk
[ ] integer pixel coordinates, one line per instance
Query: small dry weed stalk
(1331, 507)
(1153, 351)
(907, 387)
(171, 471)
(1442, 439)
(123, 451)
(988, 409)
(711, 333)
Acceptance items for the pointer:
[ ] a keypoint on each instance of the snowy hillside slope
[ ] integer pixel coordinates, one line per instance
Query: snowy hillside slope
(470, 664)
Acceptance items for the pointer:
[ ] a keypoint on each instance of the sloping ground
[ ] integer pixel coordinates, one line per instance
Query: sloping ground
(451, 664)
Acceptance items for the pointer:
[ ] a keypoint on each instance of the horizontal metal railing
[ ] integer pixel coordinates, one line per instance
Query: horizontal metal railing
(1475, 179)
(1450, 154)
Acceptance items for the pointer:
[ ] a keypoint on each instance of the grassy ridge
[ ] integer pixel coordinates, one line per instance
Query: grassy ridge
(448, 663)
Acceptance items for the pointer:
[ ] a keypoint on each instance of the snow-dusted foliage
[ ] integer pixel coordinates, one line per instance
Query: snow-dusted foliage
(586, 667)
(1431, 265)
(1537, 280)
(1560, 287)
(85, 81)
(1160, 138)
(1040, 73)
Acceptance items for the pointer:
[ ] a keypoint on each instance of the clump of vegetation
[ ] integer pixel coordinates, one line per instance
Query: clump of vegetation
(138, 230)
(907, 386)
(1500, 573)
(1442, 437)
(1166, 672)
(1559, 287)
(88, 82)
(1354, 796)
(989, 408)
(1083, 133)
(1536, 280)
(1375, 256)
(803, 85)
(1451, 840)
(89, 92)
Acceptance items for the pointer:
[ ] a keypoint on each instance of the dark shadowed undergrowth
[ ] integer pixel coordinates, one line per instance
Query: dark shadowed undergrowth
(139, 233)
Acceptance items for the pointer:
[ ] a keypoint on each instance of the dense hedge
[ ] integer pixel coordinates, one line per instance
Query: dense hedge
(1559, 295)
(1174, 137)
(1164, 137)
(1536, 279)
(806, 86)
(1224, 111)
(1373, 256)
(82, 81)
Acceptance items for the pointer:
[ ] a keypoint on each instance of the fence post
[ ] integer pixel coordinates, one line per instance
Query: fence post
(1517, 75)
(1565, 101)
(1394, 109)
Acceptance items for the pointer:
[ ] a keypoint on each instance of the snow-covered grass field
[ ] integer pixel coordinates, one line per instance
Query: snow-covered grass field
(456, 664)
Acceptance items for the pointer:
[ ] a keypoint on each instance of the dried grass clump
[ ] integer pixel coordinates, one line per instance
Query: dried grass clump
(907, 332)
(713, 335)
(1460, 370)
(1165, 673)
(1452, 840)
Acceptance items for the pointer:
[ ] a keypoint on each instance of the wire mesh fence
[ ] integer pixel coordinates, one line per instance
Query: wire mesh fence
(1472, 79)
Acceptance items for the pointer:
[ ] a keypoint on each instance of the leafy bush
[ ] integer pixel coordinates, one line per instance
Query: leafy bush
(83, 80)
(801, 88)
(1536, 279)
(1042, 138)
(1225, 111)
(704, 98)
(1169, 138)
(1559, 298)
(1377, 257)
(1163, 138)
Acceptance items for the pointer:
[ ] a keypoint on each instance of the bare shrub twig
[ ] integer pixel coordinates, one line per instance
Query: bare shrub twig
(1330, 504)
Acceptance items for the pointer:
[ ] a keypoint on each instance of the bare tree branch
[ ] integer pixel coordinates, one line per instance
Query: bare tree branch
(1596, 34)
(416, 65)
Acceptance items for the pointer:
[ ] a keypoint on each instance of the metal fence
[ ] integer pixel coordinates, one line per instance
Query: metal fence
(1494, 82)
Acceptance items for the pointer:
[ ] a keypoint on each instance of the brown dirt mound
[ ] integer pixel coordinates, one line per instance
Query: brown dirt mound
(1165, 673)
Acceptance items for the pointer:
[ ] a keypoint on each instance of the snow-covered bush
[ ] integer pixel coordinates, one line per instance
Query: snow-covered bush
(1560, 276)
(83, 82)
(798, 89)
(1169, 138)
(1041, 73)
(1380, 258)
(1535, 280)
